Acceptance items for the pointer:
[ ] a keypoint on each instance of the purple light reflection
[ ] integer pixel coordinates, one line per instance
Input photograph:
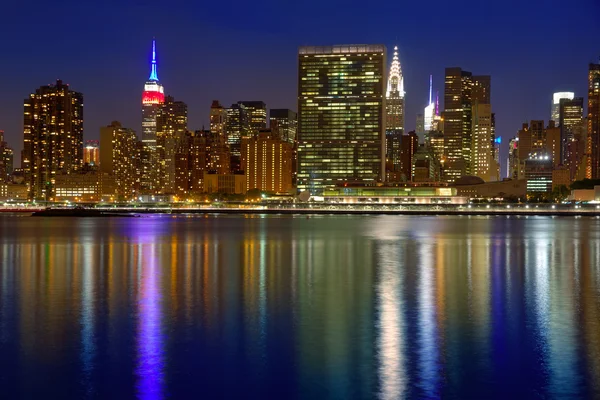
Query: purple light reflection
(150, 357)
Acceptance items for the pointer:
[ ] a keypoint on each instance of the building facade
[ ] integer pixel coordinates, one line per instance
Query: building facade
(91, 152)
(284, 124)
(593, 123)
(118, 159)
(171, 127)
(483, 162)
(553, 143)
(341, 124)
(238, 126)
(6, 160)
(200, 152)
(218, 119)
(538, 173)
(267, 163)
(513, 159)
(571, 123)
(410, 145)
(80, 186)
(462, 89)
(53, 137)
(556, 99)
(257, 115)
(225, 183)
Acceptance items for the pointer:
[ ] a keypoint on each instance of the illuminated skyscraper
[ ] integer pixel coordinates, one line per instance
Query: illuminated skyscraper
(571, 124)
(593, 123)
(171, 126)
(218, 118)
(394, 106)
(512, 171)
(284, 124)
(91, 152)
(152, 98)
(462, 91)
(410, 145)
(53, 137)
(257, 115)
(202, 152)
(6, 160)
(481, 149)
(556, 98)
(238, 127)
(429, 112)
(118, 155)
(341, 124)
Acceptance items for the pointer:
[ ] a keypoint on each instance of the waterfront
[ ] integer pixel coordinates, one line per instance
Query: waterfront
(288, 307)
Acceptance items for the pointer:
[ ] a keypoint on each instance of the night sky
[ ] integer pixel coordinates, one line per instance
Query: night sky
(247, 50)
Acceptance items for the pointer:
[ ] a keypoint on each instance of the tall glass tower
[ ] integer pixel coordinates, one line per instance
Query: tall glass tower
(341, 123)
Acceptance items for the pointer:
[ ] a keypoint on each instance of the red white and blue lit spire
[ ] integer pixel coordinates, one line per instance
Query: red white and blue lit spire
(153, 70)
(154, 93)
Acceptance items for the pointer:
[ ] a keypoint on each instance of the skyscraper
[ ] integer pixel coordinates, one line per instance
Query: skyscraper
(571, 125)
(553, 143)
(257, 115)
(341, 124)
(556, 98)
(284, 124)
(201, 152)
(410, 145)
(118, 155)
(462, 89)
(483, 163)
(171, 126)
(420, 127)
(152, 98)
(394, 114)
(593, 121)
(429, 112)
(512, 171)
(238, 126)
(52, 137)
(6, 159)
(218, 118)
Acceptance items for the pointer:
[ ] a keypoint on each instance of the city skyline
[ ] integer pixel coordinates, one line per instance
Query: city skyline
(196, 72)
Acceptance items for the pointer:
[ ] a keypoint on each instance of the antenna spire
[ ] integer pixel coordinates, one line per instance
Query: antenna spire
(430, 88)
(153, 70)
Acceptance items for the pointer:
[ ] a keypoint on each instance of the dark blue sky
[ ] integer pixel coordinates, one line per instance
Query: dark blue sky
(246, 50)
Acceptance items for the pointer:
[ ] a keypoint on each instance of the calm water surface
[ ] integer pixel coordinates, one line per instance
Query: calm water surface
(287, 307)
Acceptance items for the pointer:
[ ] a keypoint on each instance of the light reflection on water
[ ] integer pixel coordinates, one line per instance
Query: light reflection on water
(327, 307)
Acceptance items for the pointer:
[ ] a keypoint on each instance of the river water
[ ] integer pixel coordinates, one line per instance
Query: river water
(331, 307)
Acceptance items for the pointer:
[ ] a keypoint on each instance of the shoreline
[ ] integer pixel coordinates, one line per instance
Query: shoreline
(415, 211)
